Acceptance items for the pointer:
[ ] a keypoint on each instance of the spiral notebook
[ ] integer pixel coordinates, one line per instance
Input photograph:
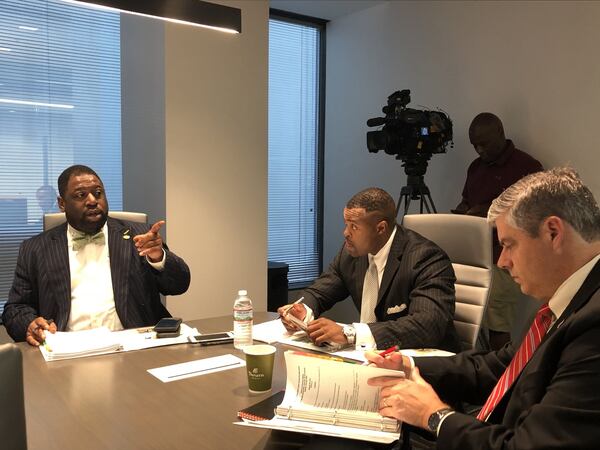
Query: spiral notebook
(264, 410)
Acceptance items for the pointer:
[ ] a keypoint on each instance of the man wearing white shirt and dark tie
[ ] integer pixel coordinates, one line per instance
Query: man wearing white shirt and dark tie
(92, 271)
(401, 283)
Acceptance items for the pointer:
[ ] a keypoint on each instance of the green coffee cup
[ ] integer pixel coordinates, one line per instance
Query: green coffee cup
(259, 367)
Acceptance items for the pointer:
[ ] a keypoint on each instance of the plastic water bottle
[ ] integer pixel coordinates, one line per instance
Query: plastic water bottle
(242, 320)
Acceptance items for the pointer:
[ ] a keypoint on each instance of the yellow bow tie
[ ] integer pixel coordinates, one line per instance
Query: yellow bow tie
(80, 240)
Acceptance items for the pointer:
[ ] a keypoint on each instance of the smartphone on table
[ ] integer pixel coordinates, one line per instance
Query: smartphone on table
(212, 338)
(168, 327)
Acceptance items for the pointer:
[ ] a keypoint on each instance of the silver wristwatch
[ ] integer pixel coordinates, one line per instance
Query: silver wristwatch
(350, 333)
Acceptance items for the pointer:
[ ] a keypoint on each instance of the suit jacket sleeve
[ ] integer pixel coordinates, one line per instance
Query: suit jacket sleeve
(174, 279)
(328, 289)
(23, 301)
(469, 376)
(566, 416)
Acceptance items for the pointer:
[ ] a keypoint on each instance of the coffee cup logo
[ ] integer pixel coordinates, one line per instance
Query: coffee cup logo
(255, 374)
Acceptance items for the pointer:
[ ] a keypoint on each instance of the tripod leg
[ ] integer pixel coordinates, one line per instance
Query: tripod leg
(404, 197)
(428, 197)
(406, 204)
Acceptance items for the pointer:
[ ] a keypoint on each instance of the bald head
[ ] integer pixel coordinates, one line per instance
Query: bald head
(486, 134)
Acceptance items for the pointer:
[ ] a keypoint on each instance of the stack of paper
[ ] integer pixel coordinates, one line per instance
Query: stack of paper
(99, 341)
(324, 395)
(274, 331)
(324, 390)
(75, 344)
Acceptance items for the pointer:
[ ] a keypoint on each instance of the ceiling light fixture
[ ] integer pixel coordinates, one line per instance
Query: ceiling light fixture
(189, 12)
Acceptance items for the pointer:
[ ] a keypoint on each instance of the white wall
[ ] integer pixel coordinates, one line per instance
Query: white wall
(195, 150)
(143, 116)
(532, 63)
(216, 160)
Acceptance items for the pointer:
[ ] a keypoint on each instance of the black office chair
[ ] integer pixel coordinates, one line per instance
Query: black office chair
(12, 410)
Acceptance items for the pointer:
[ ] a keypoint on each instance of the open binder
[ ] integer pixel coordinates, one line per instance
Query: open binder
(329, 396)
(340, 418)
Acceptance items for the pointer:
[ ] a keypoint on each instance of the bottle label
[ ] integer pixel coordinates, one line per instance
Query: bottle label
(242, 315)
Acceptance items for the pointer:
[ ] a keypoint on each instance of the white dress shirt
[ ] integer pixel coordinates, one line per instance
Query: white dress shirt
(364, 337)
(567, 290)
(92, 298)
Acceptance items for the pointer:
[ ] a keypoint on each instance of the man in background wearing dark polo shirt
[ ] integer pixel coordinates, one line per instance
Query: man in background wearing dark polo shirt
(498, 166)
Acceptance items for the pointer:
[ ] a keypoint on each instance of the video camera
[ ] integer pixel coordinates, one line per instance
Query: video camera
(410, 134)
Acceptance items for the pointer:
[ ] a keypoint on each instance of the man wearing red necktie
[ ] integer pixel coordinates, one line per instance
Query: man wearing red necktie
(545, 391)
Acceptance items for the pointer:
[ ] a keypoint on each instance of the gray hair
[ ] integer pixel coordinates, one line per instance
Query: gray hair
(556, 192)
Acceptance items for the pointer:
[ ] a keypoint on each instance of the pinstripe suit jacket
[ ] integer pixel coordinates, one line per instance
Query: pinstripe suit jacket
(42, 282)
(415, 305)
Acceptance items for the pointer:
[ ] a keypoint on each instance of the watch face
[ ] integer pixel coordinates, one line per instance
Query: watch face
(350, 333)
(435, 419)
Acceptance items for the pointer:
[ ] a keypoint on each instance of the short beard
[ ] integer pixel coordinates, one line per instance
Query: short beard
(93, 228)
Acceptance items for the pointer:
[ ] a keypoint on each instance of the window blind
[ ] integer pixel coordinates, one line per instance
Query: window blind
(60, 104)
(293, 186)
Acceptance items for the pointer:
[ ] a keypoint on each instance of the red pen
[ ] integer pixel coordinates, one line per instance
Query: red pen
(387, 351)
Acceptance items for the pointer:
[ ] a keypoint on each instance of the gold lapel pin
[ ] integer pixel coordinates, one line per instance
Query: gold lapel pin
(126, 234)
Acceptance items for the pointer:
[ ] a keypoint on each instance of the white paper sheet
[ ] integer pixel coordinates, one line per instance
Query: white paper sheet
(269, 332)
(134, 340)
(196, 368)
(274, 331)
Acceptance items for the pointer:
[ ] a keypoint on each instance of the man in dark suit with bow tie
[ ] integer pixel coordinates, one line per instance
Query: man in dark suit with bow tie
(541, 393)
(91, 271)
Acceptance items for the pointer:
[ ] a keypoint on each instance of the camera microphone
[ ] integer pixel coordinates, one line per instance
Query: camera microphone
(376, 121)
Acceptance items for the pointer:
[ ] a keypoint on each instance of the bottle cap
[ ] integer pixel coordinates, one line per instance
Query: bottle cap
(243, 292)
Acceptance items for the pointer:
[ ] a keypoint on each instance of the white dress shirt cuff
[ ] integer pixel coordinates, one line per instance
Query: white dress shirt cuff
(437, 432)
(160, 265)
(364, 337)
(310, 315)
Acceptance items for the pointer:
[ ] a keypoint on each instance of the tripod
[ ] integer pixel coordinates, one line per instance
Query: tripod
(415, 189)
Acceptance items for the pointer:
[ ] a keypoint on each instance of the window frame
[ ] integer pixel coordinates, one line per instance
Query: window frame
(321, 26)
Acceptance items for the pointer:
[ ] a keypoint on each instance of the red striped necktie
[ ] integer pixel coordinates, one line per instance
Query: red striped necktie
(538, 329)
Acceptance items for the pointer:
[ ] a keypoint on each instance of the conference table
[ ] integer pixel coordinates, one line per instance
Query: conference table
(112, 402)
